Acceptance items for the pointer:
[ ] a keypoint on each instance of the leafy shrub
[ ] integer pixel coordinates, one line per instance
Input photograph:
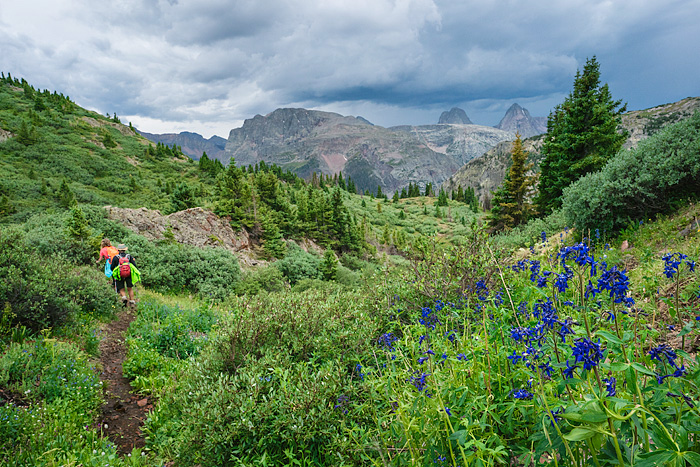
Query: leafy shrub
(298, 264)
(639, 183)
(50, 370)
(268, 279)
(268, 386)
(43, 291)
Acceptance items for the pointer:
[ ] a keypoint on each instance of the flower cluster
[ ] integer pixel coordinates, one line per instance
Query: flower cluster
(672, 262)
(587, 352)
(665, 352)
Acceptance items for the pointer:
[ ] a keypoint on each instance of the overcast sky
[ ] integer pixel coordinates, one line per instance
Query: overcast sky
(206, 65)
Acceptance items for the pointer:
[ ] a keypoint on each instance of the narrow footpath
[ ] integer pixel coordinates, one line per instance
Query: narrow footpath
(124, 412)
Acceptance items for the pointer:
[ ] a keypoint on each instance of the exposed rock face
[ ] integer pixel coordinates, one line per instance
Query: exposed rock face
(518, 120)
(643, 123)
(455, 116)
(192, 144)
(486, 173)
(4, 135)
(195, 227)
(306, 141)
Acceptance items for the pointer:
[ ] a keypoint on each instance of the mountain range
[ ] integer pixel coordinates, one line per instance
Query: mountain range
(307, 141)
(486, 173)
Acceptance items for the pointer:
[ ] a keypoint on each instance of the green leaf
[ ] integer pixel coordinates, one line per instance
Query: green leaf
(579, 434)
(641, 368)
(459, 436)
(609, 337)
(693, 458)
(615, 366)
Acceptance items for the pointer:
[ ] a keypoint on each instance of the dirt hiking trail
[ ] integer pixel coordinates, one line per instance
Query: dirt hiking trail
(123, 412)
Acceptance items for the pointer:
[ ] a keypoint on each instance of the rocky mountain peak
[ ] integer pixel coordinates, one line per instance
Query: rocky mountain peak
(454, 116)
(518, 120)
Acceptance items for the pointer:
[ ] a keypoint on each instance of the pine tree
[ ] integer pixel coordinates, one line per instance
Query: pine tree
(66, 198)
(395, 198)
(182, 198)
(77, 227)
(442, 198)
(510, 205)
(329, 266)
(582, 135)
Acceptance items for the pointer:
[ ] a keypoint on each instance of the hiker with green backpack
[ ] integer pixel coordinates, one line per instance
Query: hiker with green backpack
(125, 274)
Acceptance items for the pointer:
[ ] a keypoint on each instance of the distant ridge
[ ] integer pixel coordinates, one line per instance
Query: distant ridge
(192, 144)
(307, 141)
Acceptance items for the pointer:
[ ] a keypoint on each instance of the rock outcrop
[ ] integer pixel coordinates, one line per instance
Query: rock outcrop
(518, 120)
(195, 226)
(455, 116)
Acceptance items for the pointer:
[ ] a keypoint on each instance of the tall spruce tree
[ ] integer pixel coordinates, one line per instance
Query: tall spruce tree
(510, 205)
(582, 134)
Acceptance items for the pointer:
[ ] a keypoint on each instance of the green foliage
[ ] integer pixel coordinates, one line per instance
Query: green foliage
(298, 264)
(182, 198)
(267, 279)
(581, 136)
(268, 388)
(510, 202)
(64, 395)
(42, 291)
(329, 266)
(660, 173)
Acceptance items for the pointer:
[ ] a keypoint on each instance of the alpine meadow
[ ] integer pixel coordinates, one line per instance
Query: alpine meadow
(284, 319)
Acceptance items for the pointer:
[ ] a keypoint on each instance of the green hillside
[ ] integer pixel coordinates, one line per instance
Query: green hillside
(374, 331)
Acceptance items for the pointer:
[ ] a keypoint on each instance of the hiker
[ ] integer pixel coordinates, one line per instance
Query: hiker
(108, 252)
(125, 274)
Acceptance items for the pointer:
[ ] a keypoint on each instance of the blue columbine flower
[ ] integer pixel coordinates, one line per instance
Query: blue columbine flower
(358, 368)
(448, 411)
(419, 381)
(461, 356)
(664, 350)
(387, 340)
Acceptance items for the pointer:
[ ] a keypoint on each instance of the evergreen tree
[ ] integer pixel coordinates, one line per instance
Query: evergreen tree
(182, 198)
(77, 227)
(66, 198)
(404, 194)
(272, 240)
(510, 205)
(581, 136)
(379, 192)
(442, 198)
(460, 194)
(329, 266)
(395, 198)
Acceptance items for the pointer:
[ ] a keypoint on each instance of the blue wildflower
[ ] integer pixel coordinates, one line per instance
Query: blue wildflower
(610, 384)
(587, 352)
(521, 394)
(569, 372)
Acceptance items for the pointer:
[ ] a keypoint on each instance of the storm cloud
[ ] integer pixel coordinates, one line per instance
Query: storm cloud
(205, 66)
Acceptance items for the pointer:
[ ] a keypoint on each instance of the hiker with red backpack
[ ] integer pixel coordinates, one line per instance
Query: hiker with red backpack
(125, 274)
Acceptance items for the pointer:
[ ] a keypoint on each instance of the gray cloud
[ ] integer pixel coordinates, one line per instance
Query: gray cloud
(207, 65)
